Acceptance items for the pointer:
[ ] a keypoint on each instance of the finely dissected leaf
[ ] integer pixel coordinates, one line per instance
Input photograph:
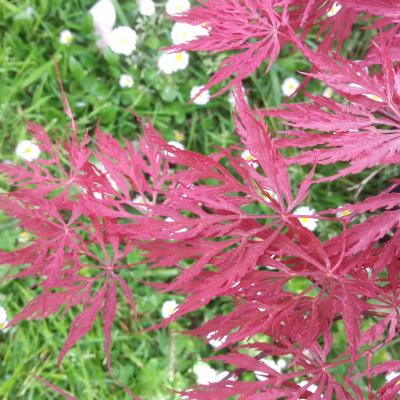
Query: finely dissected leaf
(257, 30)
(83, 322)
(109, 312)
(228, 226)
(55, 388)
(254, 30)
(377, 7)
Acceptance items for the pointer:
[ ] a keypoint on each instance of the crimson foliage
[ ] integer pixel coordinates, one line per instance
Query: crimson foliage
(196, 213)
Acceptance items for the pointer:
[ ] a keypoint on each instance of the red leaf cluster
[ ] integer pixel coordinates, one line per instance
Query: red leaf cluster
(230, 226)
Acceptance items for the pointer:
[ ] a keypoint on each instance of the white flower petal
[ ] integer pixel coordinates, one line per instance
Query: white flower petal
(328, 92)
(247, 156)
(183, 32)
(289, 86)
(391, 376)
(278, 366)
(125, 81)
(103, 169)
(122, 40)
(201, 99)
(309, 223)
(312, 388)
(27, 150)
(206, 374)
(66, 37)
(374, 97)
(336, 7)
(140, 204)
(216, 341)
(175, 7)
(172, 62)
(3, 315)
(168, 308)
(23, 237)
(147, 7)
(176, 144)
(104, 14)
(28, 12)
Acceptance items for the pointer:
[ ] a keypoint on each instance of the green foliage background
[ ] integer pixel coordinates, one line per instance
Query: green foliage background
(150, 363)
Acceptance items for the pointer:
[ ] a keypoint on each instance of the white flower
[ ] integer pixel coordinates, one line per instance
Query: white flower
(202, 98)
(268, 194)
(104, 14)
(356, 86)
(176, 144)
(98, 195)
(343, 213)
(334, 9)
(309, 223)
(122, 40)
(289, 86)
(103, 170)
(27, 150)
(175, 7)
(217, 342)
(28, 12)
(247, 156)
(3, 315)
(66, 37)
(179, 136)
(3, 318)
(104, 17)
(312, 388)
(140, 203)
(328, 92)
(147, 7)
(182, 230)
(172, 62)
(183, 32)
(391, 376)
(206, 374)
(374, 97)
(358, 92)
(278, 366)
(168, 308)
(231, 99)
(24, 237)
(125, 81)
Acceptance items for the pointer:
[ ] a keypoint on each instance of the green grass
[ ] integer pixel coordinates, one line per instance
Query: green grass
(150, 363)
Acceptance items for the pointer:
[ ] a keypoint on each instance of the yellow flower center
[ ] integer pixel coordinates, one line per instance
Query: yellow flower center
(345, 213)
(249, 157)
(24, 236)
(179, 136)
(374, 97)
(179, 57)
(28, 150)
(304, 220)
